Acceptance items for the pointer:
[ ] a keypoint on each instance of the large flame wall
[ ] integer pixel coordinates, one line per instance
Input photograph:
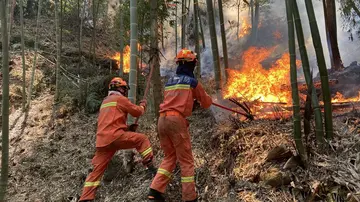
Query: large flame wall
(254, 82)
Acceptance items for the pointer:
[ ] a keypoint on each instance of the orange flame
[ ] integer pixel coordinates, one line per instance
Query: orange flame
(245, 28)
(340, 98)
(126, 58)
(254, 82)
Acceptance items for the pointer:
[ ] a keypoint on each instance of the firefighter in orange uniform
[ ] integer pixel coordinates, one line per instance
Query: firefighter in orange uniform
(180, 92)
(113, 134)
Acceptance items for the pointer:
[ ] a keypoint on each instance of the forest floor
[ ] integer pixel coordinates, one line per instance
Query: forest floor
(234, 159)
(230, 159)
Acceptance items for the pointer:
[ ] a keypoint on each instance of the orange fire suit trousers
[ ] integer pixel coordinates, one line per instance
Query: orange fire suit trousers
(103, 156)
(176, 144)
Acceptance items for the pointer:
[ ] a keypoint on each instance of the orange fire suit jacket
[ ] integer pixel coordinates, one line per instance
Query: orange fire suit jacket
(112, 118)
(180, 92)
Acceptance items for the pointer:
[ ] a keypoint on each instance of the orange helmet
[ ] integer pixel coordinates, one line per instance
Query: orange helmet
(116, 83)
(185, 55)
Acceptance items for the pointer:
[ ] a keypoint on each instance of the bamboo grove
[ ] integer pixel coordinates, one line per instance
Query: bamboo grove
(293, 16)
(135, 28)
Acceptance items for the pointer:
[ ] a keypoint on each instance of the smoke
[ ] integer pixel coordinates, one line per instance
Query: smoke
(272, 19)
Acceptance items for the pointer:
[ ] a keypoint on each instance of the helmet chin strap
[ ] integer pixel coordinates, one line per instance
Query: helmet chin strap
(119, 91)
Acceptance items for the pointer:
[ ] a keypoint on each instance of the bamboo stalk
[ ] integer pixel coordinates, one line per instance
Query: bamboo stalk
(121, 68)
(35, 54)
(183, 29)
(322, 68)
(295, 94)
(319, 131)
(176, 28)
(154, 75)
(196, 33)
(133, 53)
(5, 103)
(223, 38)
(202, 30)
(58, 52)
(23, 55)
(238, 19)
(214, 45)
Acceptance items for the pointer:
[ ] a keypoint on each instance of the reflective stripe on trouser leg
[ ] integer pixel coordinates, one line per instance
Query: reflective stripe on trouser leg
(164, 173)
(147, 155)
(92, 182)
(186, 160)
(138, 141)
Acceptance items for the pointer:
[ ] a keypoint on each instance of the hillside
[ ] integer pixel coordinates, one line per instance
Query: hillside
(50, 163)
(235, 159)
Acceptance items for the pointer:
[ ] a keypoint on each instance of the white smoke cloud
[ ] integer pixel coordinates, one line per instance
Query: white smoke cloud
(275, 16)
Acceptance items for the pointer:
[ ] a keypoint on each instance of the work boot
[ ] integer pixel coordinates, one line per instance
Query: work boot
(155, 196)
(151, 170)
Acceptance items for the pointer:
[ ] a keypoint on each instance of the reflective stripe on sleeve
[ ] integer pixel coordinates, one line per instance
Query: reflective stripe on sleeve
(109, 104)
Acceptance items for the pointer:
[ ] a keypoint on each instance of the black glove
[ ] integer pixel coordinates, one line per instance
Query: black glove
(196, 105)
(133, 127)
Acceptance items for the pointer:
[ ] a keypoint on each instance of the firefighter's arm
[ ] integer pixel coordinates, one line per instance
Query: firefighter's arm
(132, 109)
(202, 97)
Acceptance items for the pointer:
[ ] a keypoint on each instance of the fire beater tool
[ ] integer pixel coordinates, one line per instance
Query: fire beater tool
(134, 126)
(248, 116)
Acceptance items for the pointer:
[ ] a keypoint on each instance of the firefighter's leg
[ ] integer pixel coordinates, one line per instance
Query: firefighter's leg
(166, 167)
(92, 182)
(186, 160)
(168, 164)
(138, 141)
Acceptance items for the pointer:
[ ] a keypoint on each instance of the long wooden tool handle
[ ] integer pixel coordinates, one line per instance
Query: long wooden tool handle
(147, 88)
(229, 109)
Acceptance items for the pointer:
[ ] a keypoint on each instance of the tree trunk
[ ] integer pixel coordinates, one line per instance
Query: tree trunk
(322, 68)
(252, 12)
(35, 55)
(223, 38)
(176, 28)
(328, 36)
(121, 68)
(331, 29)
(60, 21)
(58, 52)
(214, 45)
(81, 30)
(202, 31)
(162, 35)
(12, 4)
(294, 87)
(255, 23)
(5, 103)
(95, 12)
(23, 55)
(133, 53)
(79, 33)
(196, 34)
(30, 8)
(183, 19)
(319, 131)
(140, 53)
(238, 19)
(154, 58)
